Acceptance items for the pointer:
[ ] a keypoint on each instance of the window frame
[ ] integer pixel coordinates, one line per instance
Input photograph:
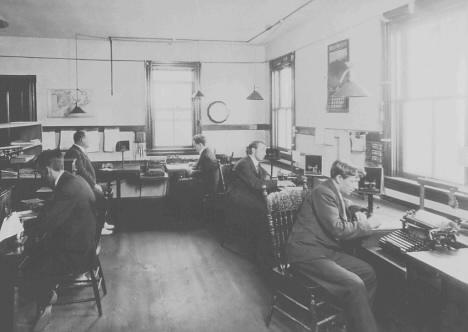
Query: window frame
(196, 107)
(287, 60)
(393, 117)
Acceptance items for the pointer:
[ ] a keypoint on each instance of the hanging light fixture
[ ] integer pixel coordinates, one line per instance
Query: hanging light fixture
(198, 94)
(3, 22)
(348, 88)
(77, 109)
(254, 95)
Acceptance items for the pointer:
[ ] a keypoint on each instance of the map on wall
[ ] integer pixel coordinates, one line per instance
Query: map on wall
(63, 101)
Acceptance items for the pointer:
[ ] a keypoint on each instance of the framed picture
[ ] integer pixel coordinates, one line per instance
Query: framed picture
(338, 57)
(62, 102)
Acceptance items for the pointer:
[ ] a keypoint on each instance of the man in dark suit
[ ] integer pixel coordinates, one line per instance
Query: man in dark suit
(206, 168)
(315, 246)
(85, 169)
(245, 202)
(67, 229)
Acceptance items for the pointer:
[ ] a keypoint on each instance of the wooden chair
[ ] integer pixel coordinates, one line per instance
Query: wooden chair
(93, 278)
(213, 203)
(295, 295)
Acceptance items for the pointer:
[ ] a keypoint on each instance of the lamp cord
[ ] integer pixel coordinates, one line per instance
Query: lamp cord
(76, 68)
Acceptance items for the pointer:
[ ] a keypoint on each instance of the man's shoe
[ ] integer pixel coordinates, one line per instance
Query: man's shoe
(108, 226)
(45, 313)
(106, 231)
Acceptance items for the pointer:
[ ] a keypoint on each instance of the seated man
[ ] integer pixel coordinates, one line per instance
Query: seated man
(206, 168)
(85, 169)
(245, 195)
(315, 246)
(67, 225)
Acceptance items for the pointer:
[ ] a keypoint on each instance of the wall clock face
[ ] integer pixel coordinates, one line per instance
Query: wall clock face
(218, 112)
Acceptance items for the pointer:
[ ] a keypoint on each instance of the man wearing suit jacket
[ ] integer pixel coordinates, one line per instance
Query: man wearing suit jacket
(315, 246)
(245, 202)
(206, 168)
(85, 169)
(67, 225)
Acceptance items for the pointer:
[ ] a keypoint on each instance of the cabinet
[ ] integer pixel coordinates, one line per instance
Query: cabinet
(17, 98)
(25, 135)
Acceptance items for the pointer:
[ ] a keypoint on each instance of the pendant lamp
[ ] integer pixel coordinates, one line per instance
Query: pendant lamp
(77, 109)
(3, 22)
(254, 95)
(348, 88)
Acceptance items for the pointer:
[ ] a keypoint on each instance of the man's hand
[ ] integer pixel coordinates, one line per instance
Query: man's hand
(374, 222)
(98, 187)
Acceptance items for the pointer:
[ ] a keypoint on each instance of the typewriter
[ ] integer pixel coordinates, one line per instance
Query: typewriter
(421, 231)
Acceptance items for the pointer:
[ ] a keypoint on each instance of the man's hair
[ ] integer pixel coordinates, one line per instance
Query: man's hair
(345, 170)
(199, 139)
(253, 145)
(78, 136)
(50, 158)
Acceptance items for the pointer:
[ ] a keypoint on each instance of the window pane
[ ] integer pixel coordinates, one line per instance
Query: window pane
(449, 139)
(172, 106)
(172, 95)
(284, 125)
(285, 87)
(275, 88)
(177, 75)
(417, 138)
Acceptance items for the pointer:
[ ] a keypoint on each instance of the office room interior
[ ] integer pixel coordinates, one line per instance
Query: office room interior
(156, 86)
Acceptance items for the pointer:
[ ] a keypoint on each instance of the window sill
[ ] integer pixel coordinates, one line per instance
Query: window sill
(172, 151)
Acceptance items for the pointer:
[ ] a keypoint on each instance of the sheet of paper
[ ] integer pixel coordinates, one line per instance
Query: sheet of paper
(93, 140)
(48, 140)
(66, 139)
(11, 226)
(111, 137)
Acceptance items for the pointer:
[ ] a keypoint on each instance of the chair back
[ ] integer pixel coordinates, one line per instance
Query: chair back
(282, 208)
(221, 184)
(69, 164)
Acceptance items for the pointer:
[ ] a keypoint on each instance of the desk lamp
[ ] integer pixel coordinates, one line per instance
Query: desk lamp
(122, 146)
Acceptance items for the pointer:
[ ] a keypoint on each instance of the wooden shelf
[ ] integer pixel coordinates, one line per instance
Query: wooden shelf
(17, 124)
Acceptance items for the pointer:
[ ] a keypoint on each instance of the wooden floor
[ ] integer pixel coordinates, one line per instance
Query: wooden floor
(173, 278)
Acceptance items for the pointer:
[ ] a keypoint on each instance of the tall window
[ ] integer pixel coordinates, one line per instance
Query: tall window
(429, 75)
(173, 114)
(282, 101)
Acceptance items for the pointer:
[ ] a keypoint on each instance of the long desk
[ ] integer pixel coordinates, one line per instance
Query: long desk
(426, 289)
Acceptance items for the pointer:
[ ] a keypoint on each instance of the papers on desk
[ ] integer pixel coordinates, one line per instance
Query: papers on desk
(11, 226)
(285, 183)
(66, 139)
(48, 140)
(93, 140)
(44, 190)
(111, 137)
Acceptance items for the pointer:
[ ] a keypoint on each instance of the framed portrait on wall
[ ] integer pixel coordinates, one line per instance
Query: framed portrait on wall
(338, 57)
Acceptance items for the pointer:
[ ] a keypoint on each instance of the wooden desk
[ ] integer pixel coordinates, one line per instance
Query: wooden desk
(118, 174)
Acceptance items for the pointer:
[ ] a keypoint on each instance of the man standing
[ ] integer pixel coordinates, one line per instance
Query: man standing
(315, 246)
(85, 169)
(67, 226)
(206, 167)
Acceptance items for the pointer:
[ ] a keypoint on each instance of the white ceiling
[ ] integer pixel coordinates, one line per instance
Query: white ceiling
(237, 20)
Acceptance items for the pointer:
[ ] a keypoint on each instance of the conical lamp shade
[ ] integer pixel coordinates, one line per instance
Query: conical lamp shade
(3, 22)
(198, 94)
(254, 95)
(350, 89)
(77, 110)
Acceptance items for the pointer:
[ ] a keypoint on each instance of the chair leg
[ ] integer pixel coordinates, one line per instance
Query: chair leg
(97, 295)
(313, 315)
(101, 276)
(270, 314)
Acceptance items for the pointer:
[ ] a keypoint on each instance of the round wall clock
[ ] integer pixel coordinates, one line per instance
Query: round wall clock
(218, 111)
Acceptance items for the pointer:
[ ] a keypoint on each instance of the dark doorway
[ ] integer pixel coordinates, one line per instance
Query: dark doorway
(17, 98)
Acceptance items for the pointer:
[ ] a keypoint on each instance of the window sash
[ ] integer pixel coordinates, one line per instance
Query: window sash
(173, 121)
(282, 101)
(427, 113)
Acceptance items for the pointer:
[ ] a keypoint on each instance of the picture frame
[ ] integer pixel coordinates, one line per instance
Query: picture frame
(338, 58)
